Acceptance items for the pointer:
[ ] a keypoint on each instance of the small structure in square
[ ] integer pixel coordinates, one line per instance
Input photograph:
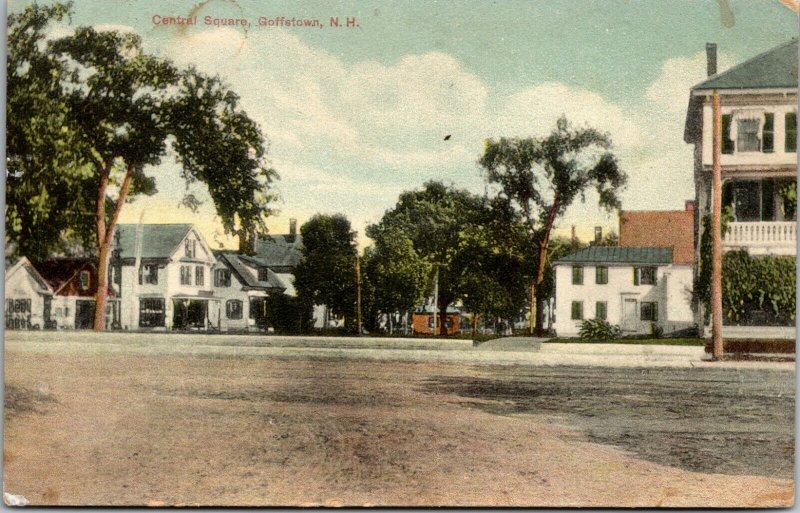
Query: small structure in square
(422, 320)
(635, 288)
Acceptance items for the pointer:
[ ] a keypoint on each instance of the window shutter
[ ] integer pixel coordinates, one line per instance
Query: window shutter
(768, 133)
(655, 311)
(635, 276)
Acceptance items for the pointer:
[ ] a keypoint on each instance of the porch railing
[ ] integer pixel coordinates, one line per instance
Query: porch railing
(772, 234)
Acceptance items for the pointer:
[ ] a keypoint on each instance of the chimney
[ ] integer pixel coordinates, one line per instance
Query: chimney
(292, 230)
(711, 58)
(598, 234)
(690, 205)
(574, 237)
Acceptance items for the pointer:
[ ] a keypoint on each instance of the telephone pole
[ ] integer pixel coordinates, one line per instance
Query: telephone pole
(716, 229)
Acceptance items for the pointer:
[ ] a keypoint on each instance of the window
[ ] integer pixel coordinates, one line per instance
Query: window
(263, 274)
(727, 143)
(191, 247)
(222, 278)
(648, 311)
(85, 280)
(768, 133)
(199, 276)
(577, 310)
(577, 275)
(600, 310)
(186, 275)
(747, 135)
(148, 273)
(791, 132)
(601, 275)
(645, 275)
(233, 309)
(151, 312)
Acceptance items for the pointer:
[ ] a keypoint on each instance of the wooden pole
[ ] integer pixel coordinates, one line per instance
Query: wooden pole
(358, 296)
(716, 230)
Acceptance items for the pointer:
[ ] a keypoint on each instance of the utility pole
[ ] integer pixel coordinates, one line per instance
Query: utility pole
(358, 288)
(435, 298)
(716, 229)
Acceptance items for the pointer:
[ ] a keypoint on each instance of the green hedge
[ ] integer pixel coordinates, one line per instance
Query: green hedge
(758, 290)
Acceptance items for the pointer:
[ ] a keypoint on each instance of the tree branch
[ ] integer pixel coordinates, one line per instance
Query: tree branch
(123, 193)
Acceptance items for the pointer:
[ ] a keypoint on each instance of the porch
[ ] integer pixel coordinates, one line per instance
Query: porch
(764, 215)
(762, 237)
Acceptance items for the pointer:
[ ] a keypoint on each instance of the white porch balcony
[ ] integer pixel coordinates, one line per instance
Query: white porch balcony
(762, 237)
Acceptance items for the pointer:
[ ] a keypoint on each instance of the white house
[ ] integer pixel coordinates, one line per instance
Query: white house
(242, 285)
(632, 287)
(28, 297)
(162, 273)
(759, 149)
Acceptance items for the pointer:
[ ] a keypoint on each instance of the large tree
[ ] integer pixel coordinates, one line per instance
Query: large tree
(326, 274)
(97, 112)
(466, 242)
(542, 177)
(395, 277)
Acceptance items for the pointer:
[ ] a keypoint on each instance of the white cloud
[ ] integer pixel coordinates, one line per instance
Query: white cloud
(348, 137)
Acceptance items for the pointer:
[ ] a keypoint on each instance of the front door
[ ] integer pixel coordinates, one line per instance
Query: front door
(84, 314)
(629, 314)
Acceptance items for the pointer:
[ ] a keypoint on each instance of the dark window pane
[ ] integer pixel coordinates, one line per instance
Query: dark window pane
(601, 275)
(791, 132)
(727, 143)
(768, 200)
(768, 133)
(577, 310)
(577, 275)
(600, 310)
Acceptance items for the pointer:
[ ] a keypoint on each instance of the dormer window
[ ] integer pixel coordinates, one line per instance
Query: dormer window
(85, 280)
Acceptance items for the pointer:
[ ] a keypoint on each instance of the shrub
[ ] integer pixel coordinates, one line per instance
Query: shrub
(656, 331)
(598, 329)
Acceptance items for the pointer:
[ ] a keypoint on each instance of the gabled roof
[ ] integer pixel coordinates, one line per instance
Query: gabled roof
(773, 69)
(25, 264)
(284, 251)
(618, 255)
(58, 272)
(237, 264)
(157, 240)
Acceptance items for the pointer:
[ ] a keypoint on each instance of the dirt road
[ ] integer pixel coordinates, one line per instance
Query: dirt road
(223, 428)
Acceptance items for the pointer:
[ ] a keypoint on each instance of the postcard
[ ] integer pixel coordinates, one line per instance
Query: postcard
(413, 254)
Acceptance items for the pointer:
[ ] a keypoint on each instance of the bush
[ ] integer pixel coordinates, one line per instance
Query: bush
(598, 329)
(656, 331)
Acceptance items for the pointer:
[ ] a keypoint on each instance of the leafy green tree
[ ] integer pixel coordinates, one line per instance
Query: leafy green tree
(542, 177)
(493, 254)
(326, 274)
(104, 113)
(49, 198)
(433, 219)
(470, 242)
(395, 277)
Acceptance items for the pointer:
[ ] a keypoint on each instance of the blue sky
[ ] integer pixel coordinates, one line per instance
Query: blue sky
(355, 116)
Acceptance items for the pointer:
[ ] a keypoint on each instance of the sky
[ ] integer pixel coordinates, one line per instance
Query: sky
(354, 116)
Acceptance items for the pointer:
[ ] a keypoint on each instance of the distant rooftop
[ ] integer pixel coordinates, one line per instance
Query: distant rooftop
(157, 240)
(618, 255)
(775, 68)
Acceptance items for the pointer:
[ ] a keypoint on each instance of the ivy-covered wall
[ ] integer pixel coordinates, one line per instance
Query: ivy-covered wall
(756, 290)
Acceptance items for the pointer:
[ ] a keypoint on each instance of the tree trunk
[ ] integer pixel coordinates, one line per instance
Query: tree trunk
(443, 320)
(105, 236)
(474, 326)
(543, 243)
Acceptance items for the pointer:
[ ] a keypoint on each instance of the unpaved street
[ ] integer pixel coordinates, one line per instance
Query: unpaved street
(96, 424)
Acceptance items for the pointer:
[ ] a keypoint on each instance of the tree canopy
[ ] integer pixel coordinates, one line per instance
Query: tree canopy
(542, 176)
(465, 241)
(91, 115)
(326, 274)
